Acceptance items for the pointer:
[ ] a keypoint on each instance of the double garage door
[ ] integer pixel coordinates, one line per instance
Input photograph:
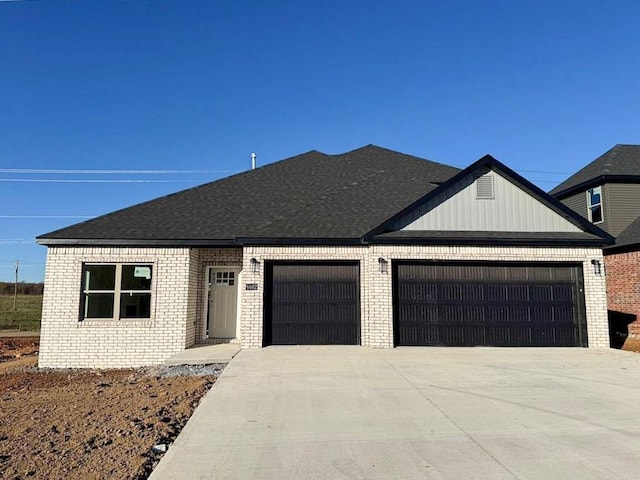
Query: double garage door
(497, 304)
(434, 303)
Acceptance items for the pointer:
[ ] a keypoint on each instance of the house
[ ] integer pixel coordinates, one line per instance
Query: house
(607, 193)
(371, 247)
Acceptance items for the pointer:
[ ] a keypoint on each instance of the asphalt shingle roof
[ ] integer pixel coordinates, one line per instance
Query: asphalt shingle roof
(621, 160)
(313, 195)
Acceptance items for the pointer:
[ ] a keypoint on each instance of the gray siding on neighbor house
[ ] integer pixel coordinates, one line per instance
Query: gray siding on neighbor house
(577, 203)
(510, 210)
(622, 205)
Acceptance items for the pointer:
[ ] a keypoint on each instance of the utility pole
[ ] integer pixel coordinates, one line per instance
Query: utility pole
(15, 288)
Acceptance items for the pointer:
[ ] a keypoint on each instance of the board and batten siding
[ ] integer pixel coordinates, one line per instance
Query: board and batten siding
(510, 210)
(622, 206)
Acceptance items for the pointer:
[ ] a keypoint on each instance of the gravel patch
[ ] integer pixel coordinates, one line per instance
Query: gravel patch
(190, 370)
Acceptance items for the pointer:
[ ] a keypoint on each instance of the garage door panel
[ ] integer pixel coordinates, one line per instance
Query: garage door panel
(310, 303)
(421, 335)
(311, 334)
(461, 314)
(497, 314)
(514, 273)
(428, 314)
(488, 304)
(420, 293)
(541, 313)
(564, 294)
(563, 315)
(518, 293)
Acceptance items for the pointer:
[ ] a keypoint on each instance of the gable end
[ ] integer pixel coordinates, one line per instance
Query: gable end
(454, 207)
(464, 207)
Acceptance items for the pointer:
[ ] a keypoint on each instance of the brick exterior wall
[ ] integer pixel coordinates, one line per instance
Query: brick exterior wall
(65, 341)
(178, 291)
(623, 288)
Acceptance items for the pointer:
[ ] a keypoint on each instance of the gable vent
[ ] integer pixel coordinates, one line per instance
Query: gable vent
(484, 187)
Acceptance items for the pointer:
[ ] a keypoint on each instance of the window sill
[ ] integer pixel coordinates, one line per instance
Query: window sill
(108, 322)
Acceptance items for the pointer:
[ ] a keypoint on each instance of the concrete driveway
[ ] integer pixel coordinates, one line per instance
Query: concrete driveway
(412, 413)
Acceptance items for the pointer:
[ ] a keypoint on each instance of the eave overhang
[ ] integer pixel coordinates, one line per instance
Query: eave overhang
(594, 182)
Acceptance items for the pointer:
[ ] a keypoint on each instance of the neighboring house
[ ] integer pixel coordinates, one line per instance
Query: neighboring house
(371, 247)
(607, 193)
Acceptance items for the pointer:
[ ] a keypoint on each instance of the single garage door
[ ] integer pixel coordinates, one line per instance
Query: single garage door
(493, 304)
(312, 303)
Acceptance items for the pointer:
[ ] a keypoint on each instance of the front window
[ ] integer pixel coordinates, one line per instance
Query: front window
(594, 204)
(116, 291)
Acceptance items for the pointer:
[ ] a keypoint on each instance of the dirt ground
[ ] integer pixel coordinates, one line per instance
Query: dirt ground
(86, 424)
(91, 424)
(632, 344)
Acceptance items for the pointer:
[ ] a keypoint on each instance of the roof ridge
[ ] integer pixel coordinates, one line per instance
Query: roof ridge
(396, 152)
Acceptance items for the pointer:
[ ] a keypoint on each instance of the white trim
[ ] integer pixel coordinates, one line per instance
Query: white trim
(589, 205)
(239, 278)
(205, 303)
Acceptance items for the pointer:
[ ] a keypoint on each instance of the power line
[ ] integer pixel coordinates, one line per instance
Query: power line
(19, 241)
(544, 181)
(92, 180)
(47, 216)
(544, 172)
(22, 265)
(63, 171)
(60, 171)
(97, 180)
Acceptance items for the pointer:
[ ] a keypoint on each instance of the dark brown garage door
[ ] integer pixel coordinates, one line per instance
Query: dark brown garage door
(312, 303)
(497, 304)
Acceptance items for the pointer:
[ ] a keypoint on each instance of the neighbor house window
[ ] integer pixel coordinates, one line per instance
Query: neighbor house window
(594, 204)
(116, 291)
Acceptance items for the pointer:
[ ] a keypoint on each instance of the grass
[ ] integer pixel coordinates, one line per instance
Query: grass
(26, 317)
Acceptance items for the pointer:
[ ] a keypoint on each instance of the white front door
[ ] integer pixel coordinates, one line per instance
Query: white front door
(223, 303)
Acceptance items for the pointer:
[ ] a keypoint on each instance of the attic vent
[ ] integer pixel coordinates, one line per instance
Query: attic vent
(484, 187)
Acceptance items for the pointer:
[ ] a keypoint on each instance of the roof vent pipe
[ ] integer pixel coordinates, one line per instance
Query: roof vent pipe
(253, 161)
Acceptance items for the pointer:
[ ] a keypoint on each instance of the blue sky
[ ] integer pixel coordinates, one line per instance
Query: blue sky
(544, 86)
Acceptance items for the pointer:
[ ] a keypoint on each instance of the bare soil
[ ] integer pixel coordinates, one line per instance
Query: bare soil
(13, 348)
(632, 344)
(86, 424)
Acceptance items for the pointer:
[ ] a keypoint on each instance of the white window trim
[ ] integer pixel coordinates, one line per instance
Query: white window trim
(589, 205)
(116, 292)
